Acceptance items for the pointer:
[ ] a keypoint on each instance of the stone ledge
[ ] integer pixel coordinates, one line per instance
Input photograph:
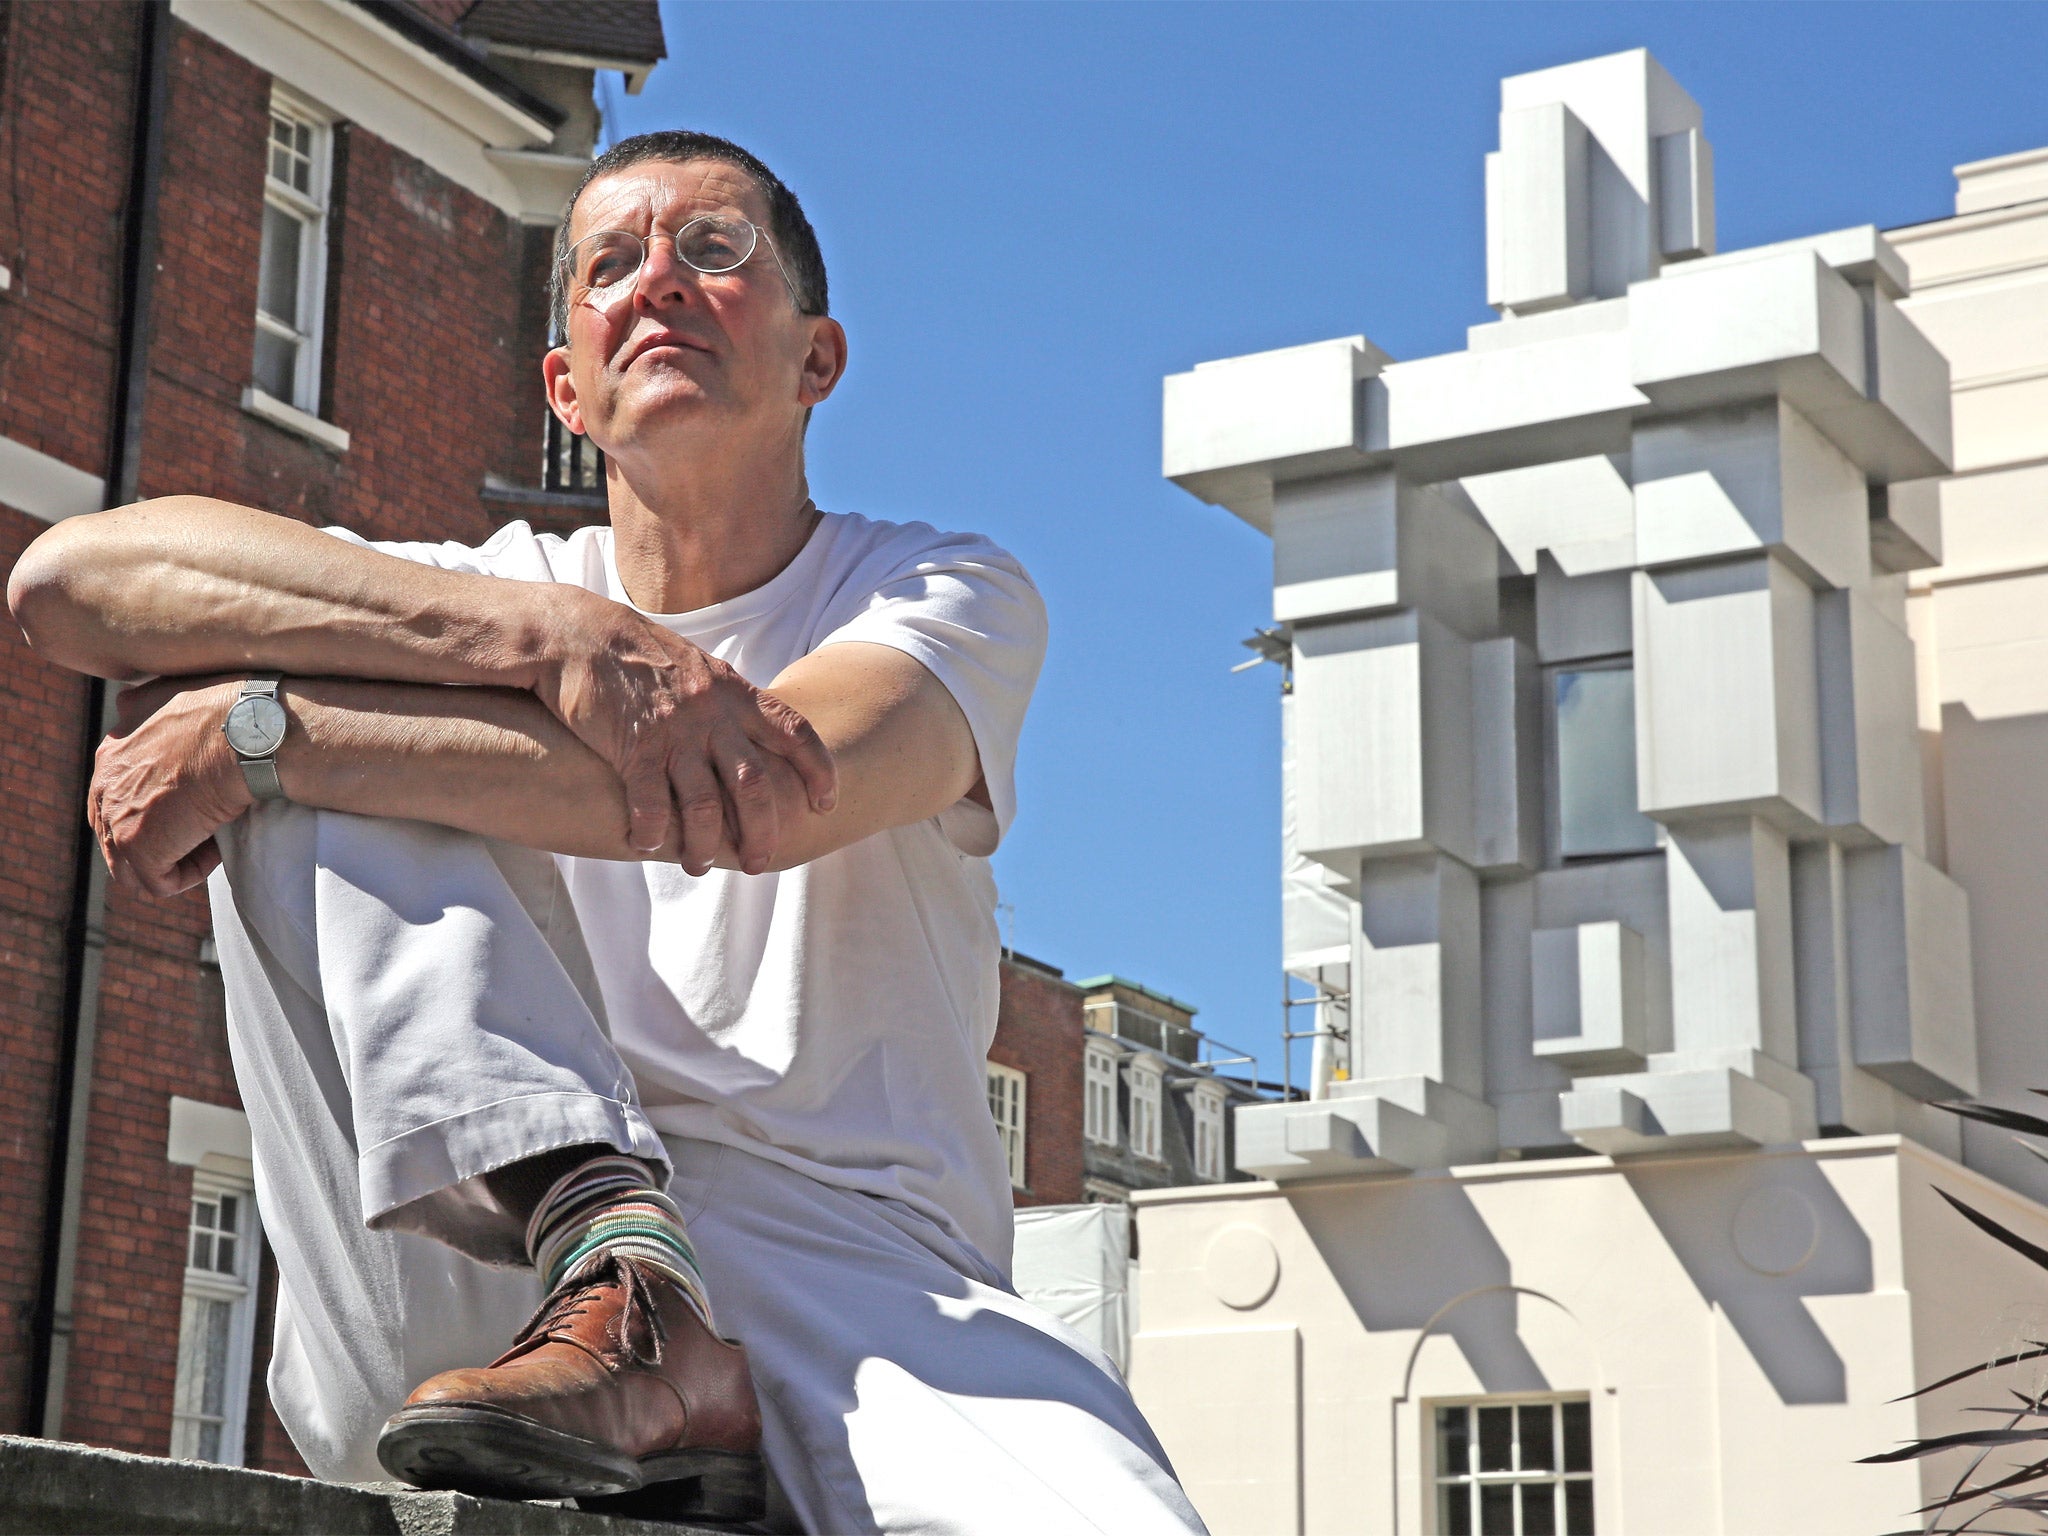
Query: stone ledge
(51, 1488)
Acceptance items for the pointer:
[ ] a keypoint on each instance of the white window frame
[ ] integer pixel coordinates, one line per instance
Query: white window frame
(1099, 1119)
(1207, 1100)
(1007, 1090)
(310, 209)
(1449, 1482)
(1147, 1077)
(204, 1287)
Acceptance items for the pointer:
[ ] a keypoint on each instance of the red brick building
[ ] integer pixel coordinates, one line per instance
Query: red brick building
(292, 255)
(1103, 1086)
(1035, 1066)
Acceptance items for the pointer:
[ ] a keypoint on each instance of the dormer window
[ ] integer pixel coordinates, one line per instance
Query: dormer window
(1098, 1086)
(1147, 1078)
(1208, 1103)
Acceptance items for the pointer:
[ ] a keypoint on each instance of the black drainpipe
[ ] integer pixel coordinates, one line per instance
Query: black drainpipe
(85, 937)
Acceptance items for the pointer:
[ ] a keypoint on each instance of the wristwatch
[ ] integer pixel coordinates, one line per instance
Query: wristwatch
(255, 730)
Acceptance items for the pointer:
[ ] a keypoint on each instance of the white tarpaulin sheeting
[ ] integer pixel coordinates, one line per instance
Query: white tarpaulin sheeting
(1074, 1261)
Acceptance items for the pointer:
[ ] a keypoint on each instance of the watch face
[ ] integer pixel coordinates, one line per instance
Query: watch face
(255, 726)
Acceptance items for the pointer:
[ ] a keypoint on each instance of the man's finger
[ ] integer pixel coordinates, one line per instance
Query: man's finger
(756, 824)
(793, 739)
(701, 804)
(647, 802)
(193, 869)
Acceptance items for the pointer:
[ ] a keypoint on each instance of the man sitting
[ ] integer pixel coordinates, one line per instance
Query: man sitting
(615, 909)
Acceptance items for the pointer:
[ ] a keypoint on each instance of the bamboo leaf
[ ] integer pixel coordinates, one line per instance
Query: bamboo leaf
(2035, 1353)
(2011, 1240)
(2005, 1119)
(1934, 1443)
(2034, 1469)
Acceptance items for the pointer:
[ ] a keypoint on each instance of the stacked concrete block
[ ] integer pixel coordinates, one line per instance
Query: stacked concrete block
(1587, 990)
(1602, 728)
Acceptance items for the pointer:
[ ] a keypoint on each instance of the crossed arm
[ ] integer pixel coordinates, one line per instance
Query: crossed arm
(545, 715)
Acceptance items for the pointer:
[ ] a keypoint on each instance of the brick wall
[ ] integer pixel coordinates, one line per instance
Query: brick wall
(431, 357)
(57, 337)
(1039, 1032)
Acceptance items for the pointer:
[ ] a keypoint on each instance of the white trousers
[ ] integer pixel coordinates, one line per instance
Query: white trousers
(409, 1007)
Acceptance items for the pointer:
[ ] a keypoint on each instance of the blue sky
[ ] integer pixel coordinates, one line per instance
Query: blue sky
(1033, 212)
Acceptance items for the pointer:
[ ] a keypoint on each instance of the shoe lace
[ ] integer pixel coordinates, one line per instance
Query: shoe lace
(641, 1334)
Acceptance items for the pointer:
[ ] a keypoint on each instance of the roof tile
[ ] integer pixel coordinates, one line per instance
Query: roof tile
(627, 30)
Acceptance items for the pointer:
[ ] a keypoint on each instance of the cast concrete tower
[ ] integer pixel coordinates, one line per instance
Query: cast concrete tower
(1622, 810)
(1603, 760)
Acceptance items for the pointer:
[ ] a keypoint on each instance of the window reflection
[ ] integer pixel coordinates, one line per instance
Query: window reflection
(1596, 765)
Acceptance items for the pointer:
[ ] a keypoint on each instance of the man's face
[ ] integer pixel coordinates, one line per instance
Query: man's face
(681, 350)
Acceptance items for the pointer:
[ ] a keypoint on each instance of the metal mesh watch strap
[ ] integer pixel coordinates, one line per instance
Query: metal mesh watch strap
(261, 774)
(260, 771)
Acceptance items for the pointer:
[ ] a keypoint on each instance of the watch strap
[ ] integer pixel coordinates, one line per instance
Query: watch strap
(260, 773)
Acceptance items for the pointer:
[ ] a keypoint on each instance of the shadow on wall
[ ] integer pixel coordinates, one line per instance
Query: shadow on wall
(1995, 838)
(1404, 1250)
(1757, 1236)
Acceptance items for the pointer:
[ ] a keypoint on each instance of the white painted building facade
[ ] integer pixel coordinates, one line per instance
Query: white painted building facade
(1668, 826)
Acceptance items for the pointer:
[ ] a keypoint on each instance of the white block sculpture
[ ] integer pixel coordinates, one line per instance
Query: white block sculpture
(1602, 727)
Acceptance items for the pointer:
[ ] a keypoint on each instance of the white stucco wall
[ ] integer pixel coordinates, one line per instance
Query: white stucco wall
(1980, 619)
(1726, 1398)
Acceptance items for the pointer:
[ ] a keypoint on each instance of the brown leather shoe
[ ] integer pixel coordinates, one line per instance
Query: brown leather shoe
(614, 1384)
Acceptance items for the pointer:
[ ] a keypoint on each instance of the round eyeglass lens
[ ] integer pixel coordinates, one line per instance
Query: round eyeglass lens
(610, 256)
(716, 243)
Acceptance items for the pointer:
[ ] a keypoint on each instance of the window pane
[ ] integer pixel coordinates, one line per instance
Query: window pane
(1536, 1437)
(224, 1254)
(201, 1256)
(1496, 1439)
(1496, 1507)
(1453, 1443)
(1578, 1508)
(277, 270)
(213, 1396)
(1539, 1509)
(1454, 1510)
(1596, 765)
(1578, 1437)
(277, 362)
(228, 1223)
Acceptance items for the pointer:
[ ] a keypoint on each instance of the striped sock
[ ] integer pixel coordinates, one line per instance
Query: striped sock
(610, 1207)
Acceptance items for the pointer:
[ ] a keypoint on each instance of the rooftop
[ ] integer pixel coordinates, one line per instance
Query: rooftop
(1104, 983)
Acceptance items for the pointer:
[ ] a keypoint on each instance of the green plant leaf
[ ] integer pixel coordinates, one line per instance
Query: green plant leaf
(2035, 1353)
(1934, 1443)
(2011, 1240)
(2005, 1119)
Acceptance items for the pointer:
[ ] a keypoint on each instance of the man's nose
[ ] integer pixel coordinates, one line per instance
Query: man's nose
(664, 277)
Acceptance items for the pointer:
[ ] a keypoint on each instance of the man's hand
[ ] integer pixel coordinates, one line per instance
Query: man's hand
(164, 781)
(685, 733)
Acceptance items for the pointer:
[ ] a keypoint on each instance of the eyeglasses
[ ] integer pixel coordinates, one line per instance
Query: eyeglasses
(603, 265)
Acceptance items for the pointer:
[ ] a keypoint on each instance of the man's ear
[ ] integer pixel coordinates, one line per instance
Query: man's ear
(561, 388)
(824, 363)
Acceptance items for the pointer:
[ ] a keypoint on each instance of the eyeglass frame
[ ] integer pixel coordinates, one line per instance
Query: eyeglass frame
(675, 243)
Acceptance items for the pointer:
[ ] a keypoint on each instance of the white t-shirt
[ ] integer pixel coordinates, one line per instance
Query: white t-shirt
(834, 1017)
